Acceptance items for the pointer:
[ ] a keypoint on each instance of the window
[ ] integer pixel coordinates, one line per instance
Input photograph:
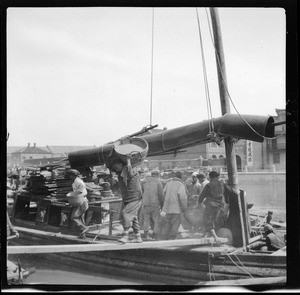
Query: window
(214, 157)
(276, 158)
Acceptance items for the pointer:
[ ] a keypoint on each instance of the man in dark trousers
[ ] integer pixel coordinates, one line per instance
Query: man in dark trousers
(214, 196)
(131, 190)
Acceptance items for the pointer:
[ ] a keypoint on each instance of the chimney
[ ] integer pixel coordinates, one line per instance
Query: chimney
(28, 145)
(34, 145)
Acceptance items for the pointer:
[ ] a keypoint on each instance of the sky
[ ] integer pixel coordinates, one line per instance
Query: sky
(87, 76)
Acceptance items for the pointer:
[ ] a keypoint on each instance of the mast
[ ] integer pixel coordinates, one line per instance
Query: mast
(240, 233)
(225, 105)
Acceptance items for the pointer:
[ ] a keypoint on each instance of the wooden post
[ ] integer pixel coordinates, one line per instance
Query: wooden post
(225, 107)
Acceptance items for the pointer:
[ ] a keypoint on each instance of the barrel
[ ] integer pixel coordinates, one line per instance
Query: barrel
(75, 199)
(136, 147)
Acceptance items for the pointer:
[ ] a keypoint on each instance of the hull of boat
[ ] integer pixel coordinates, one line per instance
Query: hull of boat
(170, 265)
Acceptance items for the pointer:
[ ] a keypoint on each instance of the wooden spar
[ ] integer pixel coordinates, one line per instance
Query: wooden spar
(225, 107)
(109, 246)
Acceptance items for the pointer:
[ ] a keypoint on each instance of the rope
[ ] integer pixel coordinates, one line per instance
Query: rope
(242, 268)
(226, 88)
(151, 91)
(242, 264)
(208, 103)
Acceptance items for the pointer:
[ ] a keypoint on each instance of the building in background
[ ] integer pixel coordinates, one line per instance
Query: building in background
(19, 156)
(33, 155)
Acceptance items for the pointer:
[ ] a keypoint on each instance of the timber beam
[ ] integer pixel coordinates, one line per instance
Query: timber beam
(110, 246)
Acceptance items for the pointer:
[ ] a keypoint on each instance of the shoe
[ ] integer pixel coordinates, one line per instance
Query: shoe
(84, 231)
(124, 239)
(148, 238)
(155, 237)
(137, 239)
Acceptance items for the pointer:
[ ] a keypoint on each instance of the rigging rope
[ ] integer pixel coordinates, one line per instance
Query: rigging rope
(243, 268)
(219, 64)
(208, 103)
(152, 66)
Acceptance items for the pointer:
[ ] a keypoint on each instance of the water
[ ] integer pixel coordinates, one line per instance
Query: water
(58, 277)
(49, 272)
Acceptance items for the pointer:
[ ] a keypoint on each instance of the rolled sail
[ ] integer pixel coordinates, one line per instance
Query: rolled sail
(248, 127)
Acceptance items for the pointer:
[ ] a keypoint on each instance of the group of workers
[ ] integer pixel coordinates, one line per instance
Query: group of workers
(168, 203)
(149, 199)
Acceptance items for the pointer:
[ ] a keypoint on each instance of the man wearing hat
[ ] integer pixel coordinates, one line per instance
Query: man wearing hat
(274, 241)
(202, 180)
(193, 190)
(214, 196)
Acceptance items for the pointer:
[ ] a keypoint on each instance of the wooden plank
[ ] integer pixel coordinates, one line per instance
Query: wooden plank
(245, 282)
(108, 246)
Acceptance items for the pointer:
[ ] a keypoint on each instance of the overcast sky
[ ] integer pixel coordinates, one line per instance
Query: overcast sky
(82, 76)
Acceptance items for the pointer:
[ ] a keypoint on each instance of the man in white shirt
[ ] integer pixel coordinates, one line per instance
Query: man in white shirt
(78, 213)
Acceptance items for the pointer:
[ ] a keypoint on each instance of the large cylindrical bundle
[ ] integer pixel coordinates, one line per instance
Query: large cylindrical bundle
(248, 127)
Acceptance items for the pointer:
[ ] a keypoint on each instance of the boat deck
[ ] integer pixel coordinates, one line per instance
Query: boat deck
(58, 242)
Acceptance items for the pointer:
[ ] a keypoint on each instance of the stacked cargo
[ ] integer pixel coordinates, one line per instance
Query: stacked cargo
(55, 184)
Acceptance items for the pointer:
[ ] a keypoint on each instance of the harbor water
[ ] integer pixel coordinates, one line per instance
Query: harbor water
(51, 272)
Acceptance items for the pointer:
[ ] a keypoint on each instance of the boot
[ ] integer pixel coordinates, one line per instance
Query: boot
(137, 239)
(82, 233)
(125, 238)
(146, 236)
